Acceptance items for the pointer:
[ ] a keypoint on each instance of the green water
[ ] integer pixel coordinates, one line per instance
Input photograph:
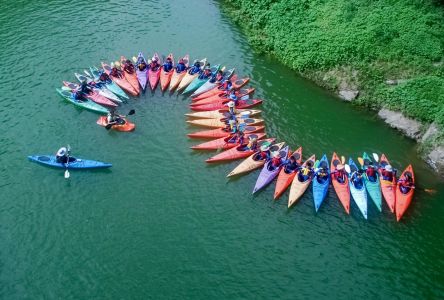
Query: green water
(161, 223)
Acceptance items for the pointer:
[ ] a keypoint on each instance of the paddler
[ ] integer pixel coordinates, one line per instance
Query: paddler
(115, 72)
(291, 165)
(232, 123)
(181, 66)
(114, 118)
(356, 178)
(233, 97)
(154, 65)
(387, 173)
(371, 172)
(168, 65)
(276, 160)
(406, 183)
(141, 65)
(62, 155)
(128, 66)
(232, 109)
(264, 154)
(339, 173)
(195, 68)
(104, 77)
(321, 173)
(217, 77)
(227, 85)
(206, 73)
(305, 172)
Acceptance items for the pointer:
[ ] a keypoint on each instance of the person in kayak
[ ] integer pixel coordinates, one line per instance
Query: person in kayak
(305, 172)
(232, 125)
(322, 174)
(339, 173)
(233, 97)
(406, 183)
(232, 109)
(290, 165)
(114, 118)
(154, 64)
(276, 160)
(227, 85)
(128, 66)
(217, 77)
(206, 73)
(356, 178)
(168, 65)
(371, 173)
(104, 77)
(237, 137)
(115, 72)
(181, 66)
(62, 155)
(388, 173)
(141, 64)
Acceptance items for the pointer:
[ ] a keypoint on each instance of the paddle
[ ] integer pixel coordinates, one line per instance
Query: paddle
(347, 169)
(375, 157)
(342, 159)
(361, 161)
(131, 112)
(67, 162)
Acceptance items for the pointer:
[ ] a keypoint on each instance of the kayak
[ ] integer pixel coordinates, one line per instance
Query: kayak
(86, 104)
(285, 177)
(358, 192)
(269, 172)
(223, 97)
(165, 77)
(222, 143)
(212, 83)
(187, 78)
(237, 84)
(126, 126)
(253, 161)
(219, 114)
(403, 200)
(154, 75)
(221, 123)
(93, 96)
(74, 163)
(120, 81)
(142, 76)
(198, 82)
(110, 85)
(298, 187)
(176, 78)
(103, 91)
(388, 188)
(130, 77)
(220, 132)
(240, 104)
(372, 184)
(237, 152)
(342, 189)
(320, 185)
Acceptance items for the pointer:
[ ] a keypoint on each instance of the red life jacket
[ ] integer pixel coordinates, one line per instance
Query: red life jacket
(370, 172)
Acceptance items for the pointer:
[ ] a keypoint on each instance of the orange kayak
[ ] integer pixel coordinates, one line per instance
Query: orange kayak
(126, 126)
(130, 77)
(388, 188)
(403, 199)
(341, 189)
(236, 153)
(120, 81)
(237, 84)
(224, 143)
(165, 77)
(176, 78)
(223, 96)
(285, 178)
(154, 75)
(220, 132)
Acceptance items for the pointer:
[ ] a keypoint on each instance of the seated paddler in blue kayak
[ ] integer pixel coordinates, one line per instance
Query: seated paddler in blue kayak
(356, 178)
(195, 68)
(371, 172)
(206, 73)
(339, 173)
(305, 172)
(321, 174)
(62, 155)
(181, 66)
(290, 165)
(168, 65)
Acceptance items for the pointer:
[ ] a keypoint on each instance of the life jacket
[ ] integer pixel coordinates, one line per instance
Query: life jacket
(386, 175)
(232, 110)
(276, 161)
(305, 171)
(370, 172)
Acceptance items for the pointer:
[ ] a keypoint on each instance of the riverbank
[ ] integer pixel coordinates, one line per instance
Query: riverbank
(388, 58)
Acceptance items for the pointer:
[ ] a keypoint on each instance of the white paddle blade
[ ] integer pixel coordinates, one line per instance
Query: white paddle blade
(376, 157)
(66, 174)
(347, 168)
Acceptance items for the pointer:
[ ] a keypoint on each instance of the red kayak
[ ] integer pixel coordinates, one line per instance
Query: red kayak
(93, 96)
(341, 189)
(388, 188)
(224, 143)
(285, 178)
(220, 132)
(237, 84)
(404, 198)
(223, 96)
(120, 81)
(154, 75)
(165, 77)
(240, 104)
(131, 77)
(236, 153)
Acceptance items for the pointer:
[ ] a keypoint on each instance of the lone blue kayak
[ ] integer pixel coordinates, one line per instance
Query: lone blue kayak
(74, 163)
(320, 184)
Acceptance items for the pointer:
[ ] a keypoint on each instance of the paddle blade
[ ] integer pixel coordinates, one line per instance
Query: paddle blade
(134, 59)
(342, 159)
(65, 88)
(361, 161)
(316, 164)
(67, 174)
(376, 157)
(108, 127)
(347, 168)
(131, 112)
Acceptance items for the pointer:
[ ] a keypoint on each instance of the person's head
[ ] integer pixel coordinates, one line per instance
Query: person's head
(154, 59)
(388, 168)
(231, 104)
(168, 59)
(128, 62)
(181, 61)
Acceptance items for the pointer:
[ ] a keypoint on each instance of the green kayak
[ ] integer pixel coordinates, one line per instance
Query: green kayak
(372, 184)
(86, 104)
(197, 82)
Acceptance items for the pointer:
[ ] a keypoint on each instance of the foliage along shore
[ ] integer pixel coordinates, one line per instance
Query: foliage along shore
(385, 55)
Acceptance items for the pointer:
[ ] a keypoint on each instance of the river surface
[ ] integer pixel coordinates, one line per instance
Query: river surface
(162, 224)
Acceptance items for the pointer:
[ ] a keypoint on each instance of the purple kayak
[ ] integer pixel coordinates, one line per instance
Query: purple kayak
(269, 172)
(142, 76)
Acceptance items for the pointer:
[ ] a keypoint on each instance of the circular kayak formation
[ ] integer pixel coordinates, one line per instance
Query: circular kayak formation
(223, 104)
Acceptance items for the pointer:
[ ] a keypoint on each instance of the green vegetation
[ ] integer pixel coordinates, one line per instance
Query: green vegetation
(357, 44)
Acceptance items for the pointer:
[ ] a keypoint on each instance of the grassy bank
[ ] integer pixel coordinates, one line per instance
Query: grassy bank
(357, 45)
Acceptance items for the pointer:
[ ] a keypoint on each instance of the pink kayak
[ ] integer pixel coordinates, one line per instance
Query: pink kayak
(93, 96)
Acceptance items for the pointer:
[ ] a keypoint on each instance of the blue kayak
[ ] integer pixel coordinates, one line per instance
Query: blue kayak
(358, 192)
(320, 184)
(74, 163)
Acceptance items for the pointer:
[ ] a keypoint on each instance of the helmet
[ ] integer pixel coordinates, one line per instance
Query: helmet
(231, 104)
(388, 168)
(62, 151)
(340, 167)
(181, 60)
